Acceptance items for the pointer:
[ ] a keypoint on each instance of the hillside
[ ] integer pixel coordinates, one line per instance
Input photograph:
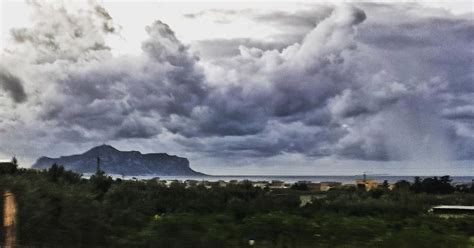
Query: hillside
(127, 163)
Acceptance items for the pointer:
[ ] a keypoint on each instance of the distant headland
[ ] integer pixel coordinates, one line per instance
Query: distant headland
(129, 163)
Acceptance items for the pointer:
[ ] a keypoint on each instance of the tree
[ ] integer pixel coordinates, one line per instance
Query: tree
(102, 182)
(15, 162)
(55, 172)
(300, 186)
(9, 167)
(416, 186)
(385, 184)
(437, 186)
(402, 185)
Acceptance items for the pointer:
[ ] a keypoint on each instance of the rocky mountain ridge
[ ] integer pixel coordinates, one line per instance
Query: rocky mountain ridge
(129, 163)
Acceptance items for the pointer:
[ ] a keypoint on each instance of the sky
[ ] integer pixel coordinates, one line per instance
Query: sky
(309, 88)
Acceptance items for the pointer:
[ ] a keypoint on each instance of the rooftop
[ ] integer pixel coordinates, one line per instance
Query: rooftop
(454, 207)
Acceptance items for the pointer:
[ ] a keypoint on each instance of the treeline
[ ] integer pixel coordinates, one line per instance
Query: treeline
(59, 208)
(435, 185)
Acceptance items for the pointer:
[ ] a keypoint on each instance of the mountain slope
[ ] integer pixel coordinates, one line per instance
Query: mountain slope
(113, 161)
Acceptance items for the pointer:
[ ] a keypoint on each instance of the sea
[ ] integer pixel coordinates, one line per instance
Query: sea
(293, 179)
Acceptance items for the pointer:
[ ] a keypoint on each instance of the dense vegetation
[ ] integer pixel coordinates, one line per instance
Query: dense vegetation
(58, 208)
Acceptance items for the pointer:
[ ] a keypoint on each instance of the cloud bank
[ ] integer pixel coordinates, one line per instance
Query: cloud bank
(361, 81)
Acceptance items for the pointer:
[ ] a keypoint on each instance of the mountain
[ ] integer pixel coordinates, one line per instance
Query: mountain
(130, 163)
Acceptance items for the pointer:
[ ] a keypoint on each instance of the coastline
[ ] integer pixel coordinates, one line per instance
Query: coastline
(289, 179)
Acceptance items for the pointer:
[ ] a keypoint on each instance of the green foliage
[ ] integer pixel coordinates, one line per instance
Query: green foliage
(101, 182)
(9, 167)
(57, 174)
(431, 185)
(300, 186)
(59, 208)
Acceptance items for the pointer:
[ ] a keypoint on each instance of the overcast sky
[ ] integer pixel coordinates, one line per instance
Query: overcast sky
(243, 88)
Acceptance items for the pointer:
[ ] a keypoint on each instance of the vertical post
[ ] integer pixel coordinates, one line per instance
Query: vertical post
(9, 219)
(98, 165)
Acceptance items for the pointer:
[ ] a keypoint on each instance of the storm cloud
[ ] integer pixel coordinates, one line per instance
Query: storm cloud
(360, 81)
(13, 85)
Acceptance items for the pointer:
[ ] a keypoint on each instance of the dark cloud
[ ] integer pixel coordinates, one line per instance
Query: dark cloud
(136, 127)
(108, 25)
(460, 113)
(13, 85)
(130, 97)
(364, 99)
(275, 139)
(271, 84)
(365, 81)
